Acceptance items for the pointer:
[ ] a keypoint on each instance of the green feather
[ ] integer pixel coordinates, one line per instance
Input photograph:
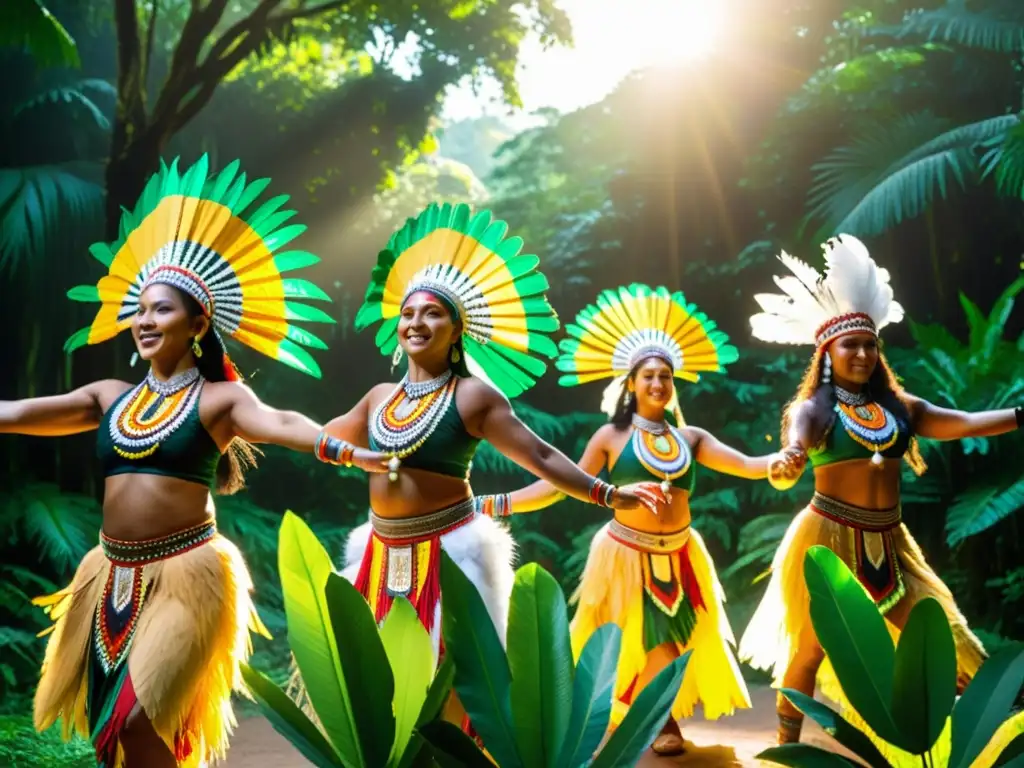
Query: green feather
(542, 324)
(293, 311)
(286, 261)
(367, 315)
(529, 364)
(271, 223)
(102, 253)
(84, 293)
(235, 192)
(283, 236)
(388, 328)
(532, 284)
(542, 345)
(389, 346)
(295, 356)
(569, 346)
(565, 364)
(223, 182)
(297, 288)
(522, 265)
(510, 248)
(270, 207)
(304, 337)
(194, 181)
(78, 339)
(254, 190)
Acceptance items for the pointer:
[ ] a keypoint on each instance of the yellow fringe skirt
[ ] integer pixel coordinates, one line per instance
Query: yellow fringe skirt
(660, 589)
(892, 568)
(162, 624)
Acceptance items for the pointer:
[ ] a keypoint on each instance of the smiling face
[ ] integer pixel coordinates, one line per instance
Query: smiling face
(426, 328)
(164, 327)
(854, 357)
(652, 385)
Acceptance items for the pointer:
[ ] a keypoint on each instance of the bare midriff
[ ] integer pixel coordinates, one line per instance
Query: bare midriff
(137, 507)
(671, 517)
(860, 483)
(415, 493)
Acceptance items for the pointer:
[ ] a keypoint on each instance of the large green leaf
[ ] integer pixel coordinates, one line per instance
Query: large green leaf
(1013, 755)
(29, 25)
(646, 717)
(438, 693)
(451, 747)
(63, 525)
(853, 634)
(365, 666)
(981, 508)
(837, 727)
(804, 756)
(592, 693)
(305, 567)
(411, 656)
(482, 677)
(289, 721)
(924, 680)
(985, 705)
(540, 660)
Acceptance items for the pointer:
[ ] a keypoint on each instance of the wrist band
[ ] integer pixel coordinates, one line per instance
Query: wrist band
(601, 492)
(331, 450)
(494, 505)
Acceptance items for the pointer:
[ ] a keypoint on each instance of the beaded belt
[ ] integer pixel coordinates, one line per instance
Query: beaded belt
(135, 553)
(422, 527)
(658, 543)
(857, 517)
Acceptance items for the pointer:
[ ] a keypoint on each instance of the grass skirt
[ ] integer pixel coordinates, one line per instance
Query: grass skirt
(168, 635)
(770, 640)
(615, 588)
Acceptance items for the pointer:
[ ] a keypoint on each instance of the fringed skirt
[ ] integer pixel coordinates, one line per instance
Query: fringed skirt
(890, 565)
(660, 589)
(162, 624)
(386, 559)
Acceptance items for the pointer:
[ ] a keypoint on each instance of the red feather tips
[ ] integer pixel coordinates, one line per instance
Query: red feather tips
(231, 372)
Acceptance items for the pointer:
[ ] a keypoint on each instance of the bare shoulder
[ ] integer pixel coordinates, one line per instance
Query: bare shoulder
(479, 393)
(607, 433)
(106, 392)
(694, 434)
(228, 391)
(379, 392)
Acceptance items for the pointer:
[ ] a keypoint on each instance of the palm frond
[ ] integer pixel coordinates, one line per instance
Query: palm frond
(971, 29)
(76, 96)
(40, 205)
(1005, 158)
(63, 525)
(980, 509)
(893, 172)
(29, 25)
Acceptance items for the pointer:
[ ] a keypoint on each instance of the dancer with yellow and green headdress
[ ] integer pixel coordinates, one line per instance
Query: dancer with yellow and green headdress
(648, 571)
(147, 640)
(454, 296)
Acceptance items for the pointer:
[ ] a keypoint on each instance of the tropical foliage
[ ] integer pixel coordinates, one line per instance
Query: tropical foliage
(906, 694)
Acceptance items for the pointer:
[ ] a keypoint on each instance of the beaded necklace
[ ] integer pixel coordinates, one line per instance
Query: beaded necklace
(661, 449)
(408, 417)
(868, 423)
(152, 412)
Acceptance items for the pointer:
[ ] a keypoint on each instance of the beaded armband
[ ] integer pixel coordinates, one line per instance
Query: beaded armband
(495, 505)
(334, 451)
(601, 493)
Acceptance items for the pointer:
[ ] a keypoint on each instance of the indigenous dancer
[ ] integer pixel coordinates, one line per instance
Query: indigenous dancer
(651, 573)
(147, 639)
(856, 424)
(455, 296)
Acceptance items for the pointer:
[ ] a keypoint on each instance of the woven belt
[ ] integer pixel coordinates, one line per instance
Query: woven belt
(422, 527)
(658, 543)
(857, 517)
(136, 553)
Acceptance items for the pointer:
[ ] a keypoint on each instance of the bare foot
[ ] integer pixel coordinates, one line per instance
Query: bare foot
(670, 740)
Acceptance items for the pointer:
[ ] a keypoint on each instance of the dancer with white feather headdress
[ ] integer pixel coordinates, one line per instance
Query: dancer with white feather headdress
(856, 424)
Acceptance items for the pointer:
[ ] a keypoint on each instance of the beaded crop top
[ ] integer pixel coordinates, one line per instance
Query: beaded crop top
(655, 451)
(154, 429)
(431, 436)
(862, 430)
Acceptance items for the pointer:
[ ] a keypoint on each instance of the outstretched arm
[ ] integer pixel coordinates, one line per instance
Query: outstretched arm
(78, 411)
(543, 494)
(937, 423)
(502, 428)
(714, 454)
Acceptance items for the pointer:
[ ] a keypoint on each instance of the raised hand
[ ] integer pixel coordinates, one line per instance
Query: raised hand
(786, 468)
(637, 495)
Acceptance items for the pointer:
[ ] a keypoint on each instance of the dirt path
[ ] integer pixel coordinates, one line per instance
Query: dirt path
(731, 741)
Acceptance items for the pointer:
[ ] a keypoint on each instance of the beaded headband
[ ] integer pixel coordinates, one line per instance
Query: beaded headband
(853, 322)
(184, 280)
(673, 358)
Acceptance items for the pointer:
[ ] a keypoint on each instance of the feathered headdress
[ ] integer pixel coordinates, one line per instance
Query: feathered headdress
(199, 235)
(853, 296)
(630, 324)
(496, 292)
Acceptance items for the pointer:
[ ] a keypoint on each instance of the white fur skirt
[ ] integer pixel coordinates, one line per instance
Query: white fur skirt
(382, 569)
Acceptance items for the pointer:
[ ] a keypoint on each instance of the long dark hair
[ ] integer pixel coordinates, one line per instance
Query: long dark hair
(214, 364)
(884, 387)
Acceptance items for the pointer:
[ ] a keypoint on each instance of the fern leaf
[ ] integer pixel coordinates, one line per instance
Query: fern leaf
(980, 509)
(971, 29)
(64, 526)
(73, 96)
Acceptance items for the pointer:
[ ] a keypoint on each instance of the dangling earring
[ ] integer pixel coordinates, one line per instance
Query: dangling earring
(826, 369)
(455, 356)
(134, 360)
(396, 358)
(196, 349)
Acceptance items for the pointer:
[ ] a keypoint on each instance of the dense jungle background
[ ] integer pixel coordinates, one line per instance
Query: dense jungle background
(894, 120)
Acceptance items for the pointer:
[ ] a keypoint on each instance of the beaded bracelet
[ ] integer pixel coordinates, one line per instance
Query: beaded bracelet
(331, 450)
(494, 506)
(601, 492)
